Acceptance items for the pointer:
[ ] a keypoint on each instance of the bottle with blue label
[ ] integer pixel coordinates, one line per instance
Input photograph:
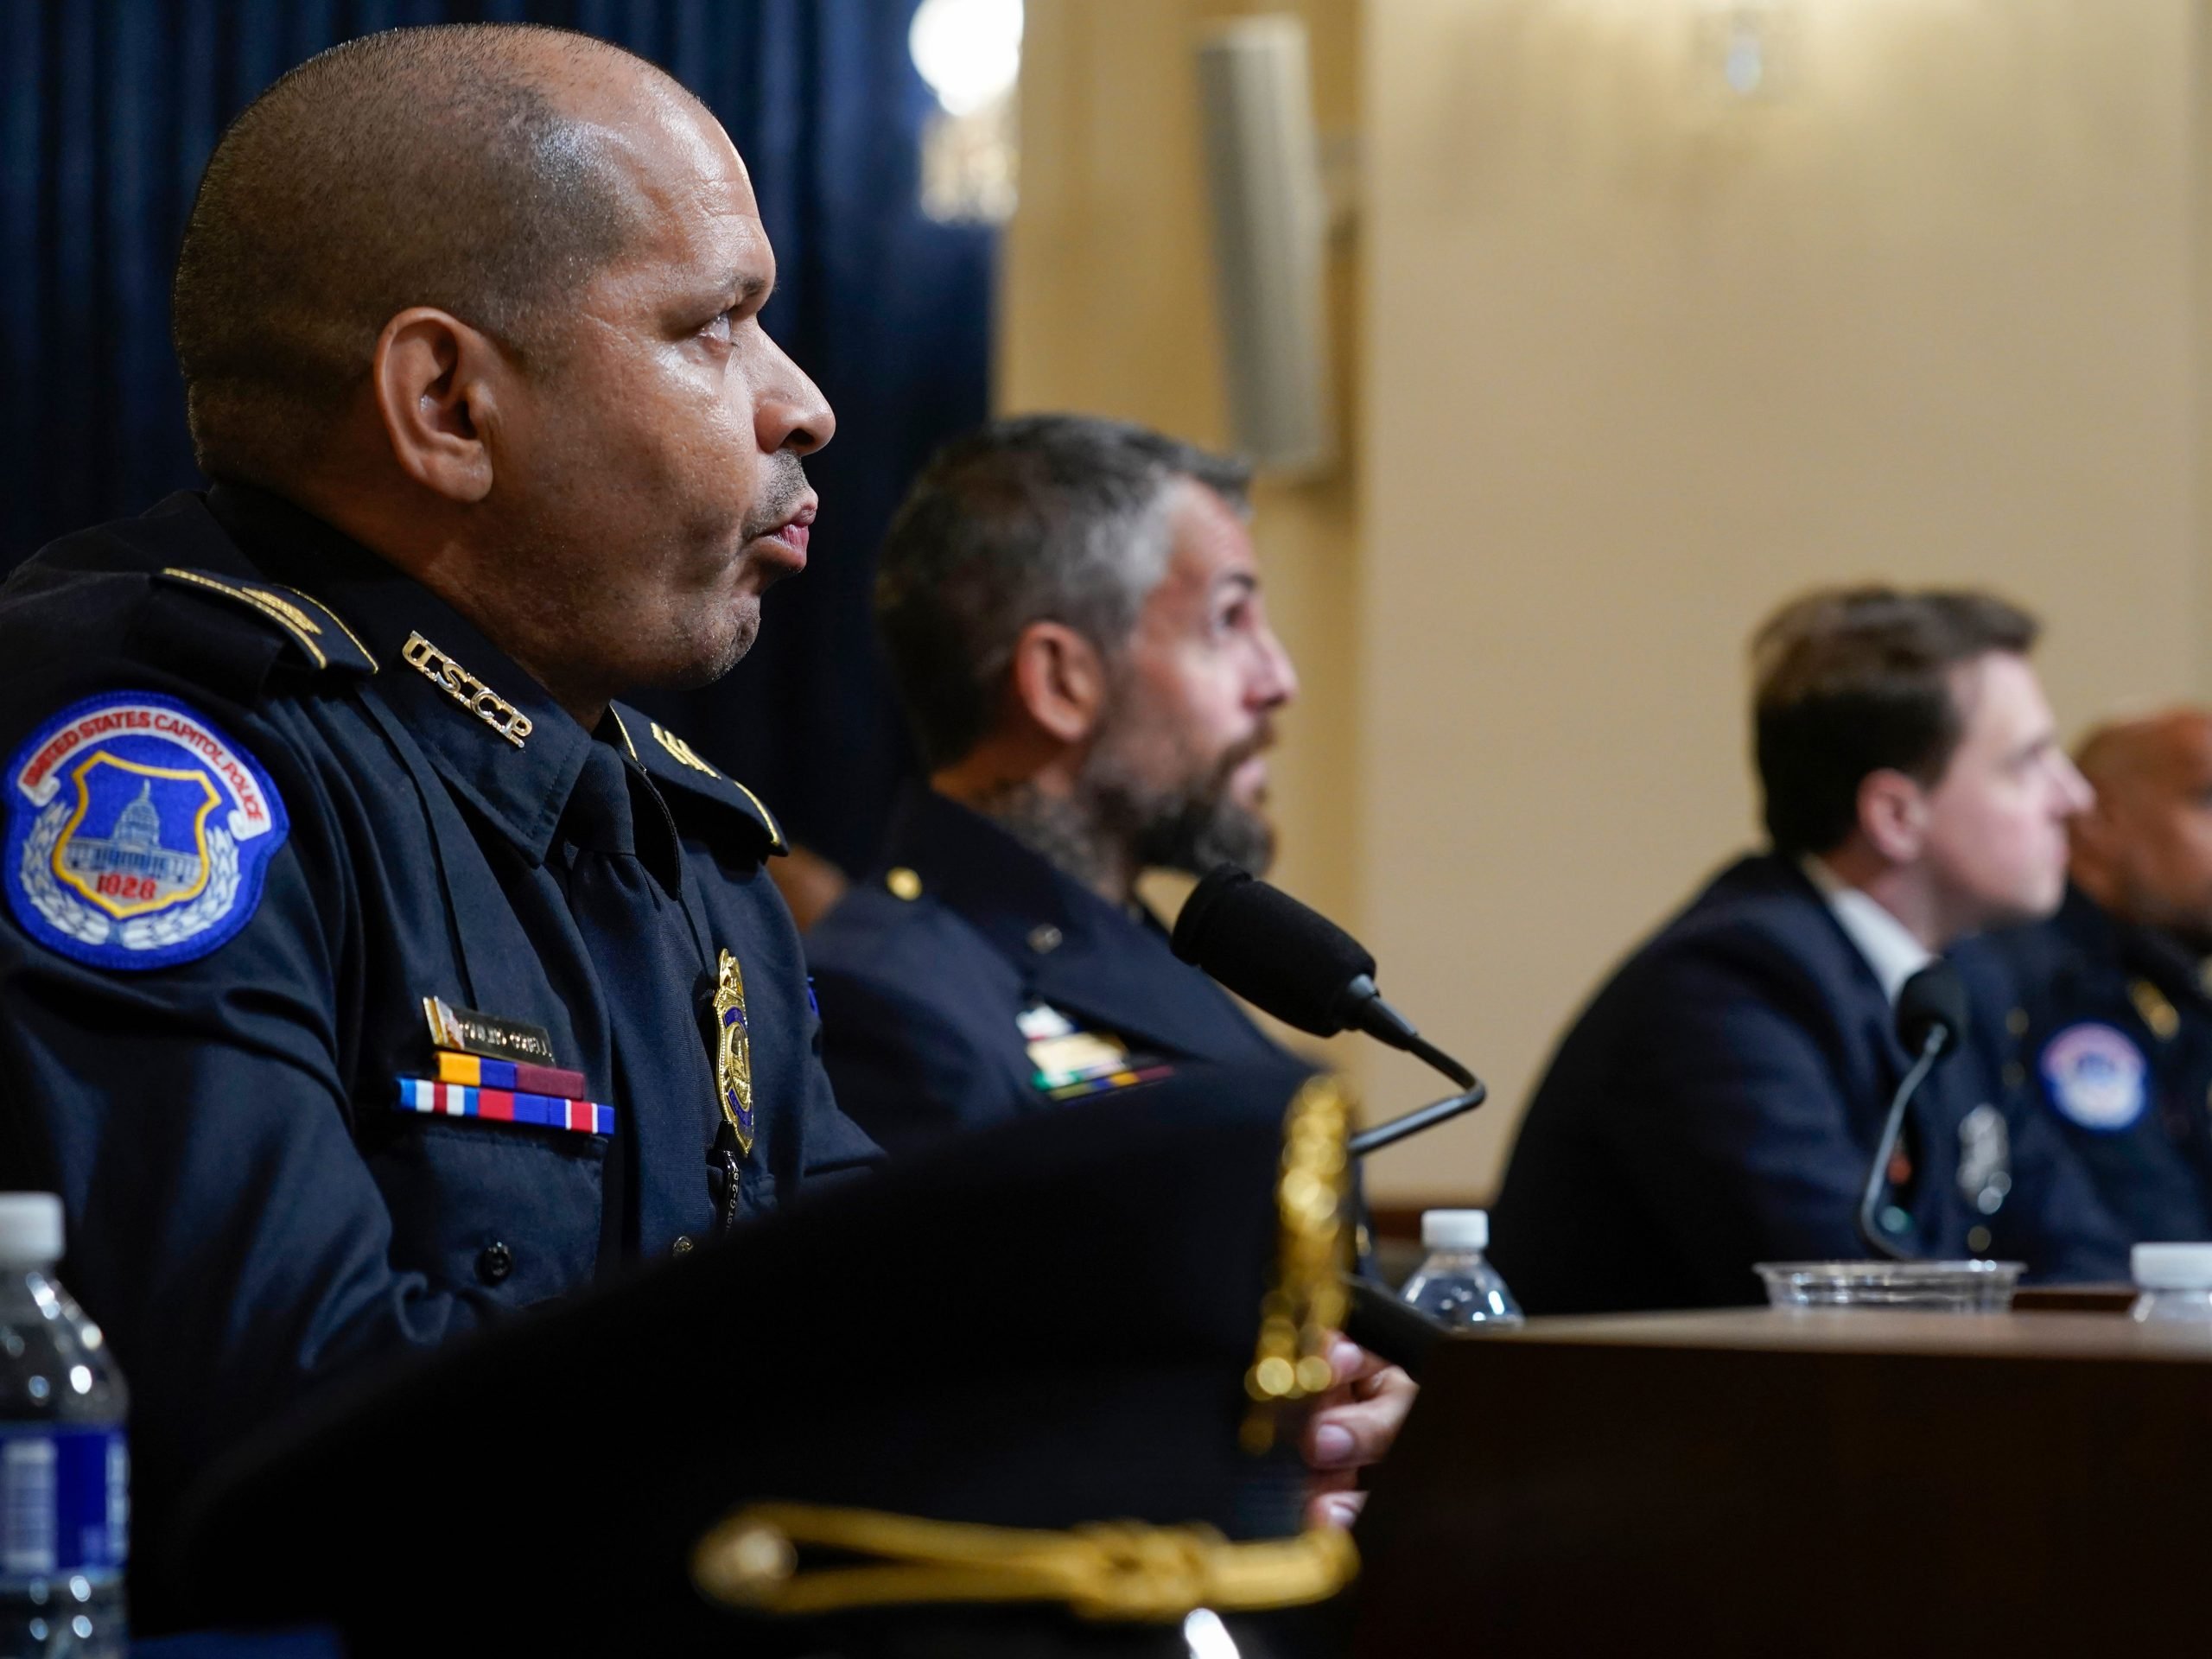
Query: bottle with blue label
(65, 1469)
(1457, 1285)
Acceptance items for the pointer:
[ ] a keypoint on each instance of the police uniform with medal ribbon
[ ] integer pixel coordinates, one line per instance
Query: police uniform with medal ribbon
(2115, 1035)
(968, 981)
(269, 803)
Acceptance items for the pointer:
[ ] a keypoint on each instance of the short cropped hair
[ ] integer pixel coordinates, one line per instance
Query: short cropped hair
(422, 166)
(1849, 681)
(1060, 517)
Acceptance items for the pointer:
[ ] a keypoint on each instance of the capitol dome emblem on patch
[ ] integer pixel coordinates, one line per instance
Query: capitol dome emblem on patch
(138, 833)
(2095, 1077)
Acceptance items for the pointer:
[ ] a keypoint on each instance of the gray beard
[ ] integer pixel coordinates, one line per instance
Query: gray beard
(1195, 830)
(1110, 828)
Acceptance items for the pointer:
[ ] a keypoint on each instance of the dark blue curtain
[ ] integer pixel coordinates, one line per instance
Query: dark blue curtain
(108, 111)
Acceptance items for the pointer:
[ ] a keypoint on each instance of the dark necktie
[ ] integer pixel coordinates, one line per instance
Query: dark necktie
(651, 968)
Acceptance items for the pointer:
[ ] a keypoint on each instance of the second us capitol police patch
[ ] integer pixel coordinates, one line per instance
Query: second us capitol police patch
(138, 832)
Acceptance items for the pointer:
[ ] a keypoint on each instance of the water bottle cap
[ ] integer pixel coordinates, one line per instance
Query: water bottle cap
(1455, 1229)
(2172, 1267)
(30, 1229)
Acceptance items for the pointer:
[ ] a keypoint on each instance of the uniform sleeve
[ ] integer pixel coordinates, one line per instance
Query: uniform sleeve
(1732, 1123)
(223, 1228)
(837, 1143)
(900, 1067)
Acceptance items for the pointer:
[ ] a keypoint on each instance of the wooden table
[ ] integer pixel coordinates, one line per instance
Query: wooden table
(1835, 1481)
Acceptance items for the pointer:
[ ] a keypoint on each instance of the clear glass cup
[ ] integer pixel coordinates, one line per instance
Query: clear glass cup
(1943, 1286)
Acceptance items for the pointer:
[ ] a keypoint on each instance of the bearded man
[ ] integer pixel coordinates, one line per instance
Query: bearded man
(1072, 615)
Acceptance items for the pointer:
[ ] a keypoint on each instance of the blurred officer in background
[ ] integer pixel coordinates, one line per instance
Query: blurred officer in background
(1073, 619)
(366, 971)
(1071, 611)
(2113, 1000)
(1719, 1102)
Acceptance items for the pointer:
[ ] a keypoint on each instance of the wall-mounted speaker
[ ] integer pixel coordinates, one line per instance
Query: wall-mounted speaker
(1270, 231)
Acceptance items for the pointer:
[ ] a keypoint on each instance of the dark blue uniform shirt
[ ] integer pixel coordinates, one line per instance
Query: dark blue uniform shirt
(947, 976)
(1719, 1102)
(249, 1208)
(2120, 1031)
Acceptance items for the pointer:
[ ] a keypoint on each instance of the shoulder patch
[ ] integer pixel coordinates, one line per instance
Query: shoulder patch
(673, 761)
(316, 631)
(2095, 1077)
(138, 832)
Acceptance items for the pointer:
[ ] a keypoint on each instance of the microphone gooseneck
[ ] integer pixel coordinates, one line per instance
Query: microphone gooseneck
(1931, 1019)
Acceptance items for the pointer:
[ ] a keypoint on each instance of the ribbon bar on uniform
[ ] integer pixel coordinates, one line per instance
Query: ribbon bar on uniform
(476, 1072)
(506, 1106)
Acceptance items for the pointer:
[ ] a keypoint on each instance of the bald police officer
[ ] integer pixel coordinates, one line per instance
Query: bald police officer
(367, 969)
(2114, 1007)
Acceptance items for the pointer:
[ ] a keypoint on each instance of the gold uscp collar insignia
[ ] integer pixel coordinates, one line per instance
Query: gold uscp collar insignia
(465, 689)
(685, 754)
(734, 1053)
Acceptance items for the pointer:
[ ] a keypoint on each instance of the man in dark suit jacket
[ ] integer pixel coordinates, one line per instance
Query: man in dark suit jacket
(1719, 1102)
(1072, 614)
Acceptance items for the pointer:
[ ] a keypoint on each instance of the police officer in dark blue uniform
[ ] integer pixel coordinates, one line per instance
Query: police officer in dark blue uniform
(1071, 611)
(1072, 614)
(367, 970)
(1719, 1103)
(2113, 1004)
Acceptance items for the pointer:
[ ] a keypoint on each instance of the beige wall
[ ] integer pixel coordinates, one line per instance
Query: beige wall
(1633, 362)
(1106, 304)
(1643, 363)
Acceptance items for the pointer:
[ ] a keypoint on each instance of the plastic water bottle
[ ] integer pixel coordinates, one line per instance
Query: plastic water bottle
(65, 1471)
(2175, 1281)
(1457, 1285)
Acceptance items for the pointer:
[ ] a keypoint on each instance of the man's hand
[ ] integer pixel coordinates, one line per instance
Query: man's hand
(1352, 1426)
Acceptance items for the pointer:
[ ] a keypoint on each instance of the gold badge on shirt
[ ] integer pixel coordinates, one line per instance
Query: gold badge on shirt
(734, 1053)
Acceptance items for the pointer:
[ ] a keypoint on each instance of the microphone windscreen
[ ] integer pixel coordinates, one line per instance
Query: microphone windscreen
(1933, 999)
(1273, 951)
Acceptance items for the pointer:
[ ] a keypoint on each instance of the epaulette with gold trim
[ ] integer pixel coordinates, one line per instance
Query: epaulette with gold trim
(671, 760)
(315, 632)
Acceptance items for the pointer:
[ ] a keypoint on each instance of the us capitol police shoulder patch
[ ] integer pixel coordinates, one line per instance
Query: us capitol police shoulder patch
(138, 833)
(2095, 1077)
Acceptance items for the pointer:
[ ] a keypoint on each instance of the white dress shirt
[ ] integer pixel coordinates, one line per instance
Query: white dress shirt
(1887, 943)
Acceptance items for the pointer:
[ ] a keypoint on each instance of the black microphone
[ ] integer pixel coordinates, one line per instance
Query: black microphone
(1295, 963)
(1931, 1018)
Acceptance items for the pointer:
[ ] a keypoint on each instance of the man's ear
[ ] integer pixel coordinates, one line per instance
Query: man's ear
(434, 379)
(1060, 680)
(1893, 814)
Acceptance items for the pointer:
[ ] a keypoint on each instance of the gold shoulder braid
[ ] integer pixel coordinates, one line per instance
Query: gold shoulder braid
(1120, 1570)
(1114, 1571)
(1308, 1298)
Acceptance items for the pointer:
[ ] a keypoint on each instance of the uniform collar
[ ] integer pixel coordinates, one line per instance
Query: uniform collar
(2151, 953)
(1887, 944)
(1018, 899)
(520, 789)
(1073, 950)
